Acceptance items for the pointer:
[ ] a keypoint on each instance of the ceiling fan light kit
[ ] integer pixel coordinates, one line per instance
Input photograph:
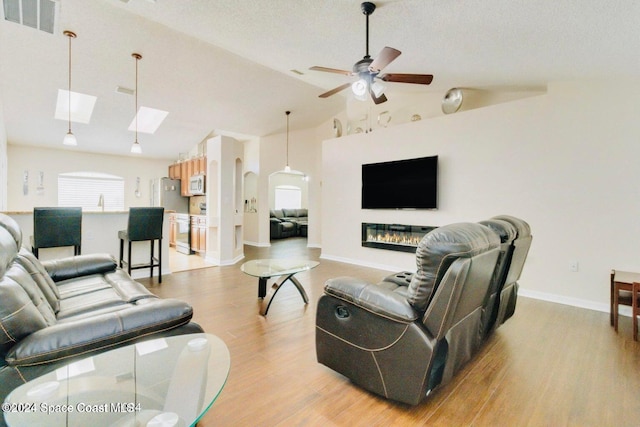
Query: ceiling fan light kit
(452, 100)
(368, 70)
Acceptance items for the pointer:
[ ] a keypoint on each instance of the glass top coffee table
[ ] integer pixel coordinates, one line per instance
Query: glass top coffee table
(163, 382)
(264, 269)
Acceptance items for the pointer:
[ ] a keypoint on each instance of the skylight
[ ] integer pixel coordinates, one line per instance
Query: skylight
(149, 120)
(81, 106)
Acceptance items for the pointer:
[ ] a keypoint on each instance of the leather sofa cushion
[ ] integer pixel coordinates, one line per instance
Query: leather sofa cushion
(295, 213)
(80, 265)
(505, 230)
(522, 227)
(382, 300)
(276, 213)
(290, 213)
(20, 276)
(38, 273)
(11, 227)
(439, 249)
(67, 339)
(19, 316)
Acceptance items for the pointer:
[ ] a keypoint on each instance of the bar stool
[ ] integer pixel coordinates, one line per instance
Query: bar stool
(56, 227)
(143, 224)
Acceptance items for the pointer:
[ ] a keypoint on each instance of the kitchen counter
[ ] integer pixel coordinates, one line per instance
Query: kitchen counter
(99, 235)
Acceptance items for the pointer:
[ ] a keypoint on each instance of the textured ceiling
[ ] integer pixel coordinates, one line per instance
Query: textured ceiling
(225, 66)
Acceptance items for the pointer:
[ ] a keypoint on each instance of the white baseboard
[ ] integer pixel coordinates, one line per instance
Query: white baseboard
(361, 263)
(259, 245)
(574, 302)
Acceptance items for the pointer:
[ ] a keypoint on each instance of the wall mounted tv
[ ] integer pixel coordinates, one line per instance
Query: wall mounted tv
(401, 184)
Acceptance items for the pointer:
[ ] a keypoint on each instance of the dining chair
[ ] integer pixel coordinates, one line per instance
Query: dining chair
(144, 224)
(56, 227)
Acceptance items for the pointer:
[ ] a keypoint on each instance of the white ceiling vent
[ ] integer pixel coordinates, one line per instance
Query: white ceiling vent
(38, 14)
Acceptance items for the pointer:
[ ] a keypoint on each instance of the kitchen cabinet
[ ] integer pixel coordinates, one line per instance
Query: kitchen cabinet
(172, 230)
(200, 166)
(186, 170)
(198, 233)
(174, 171)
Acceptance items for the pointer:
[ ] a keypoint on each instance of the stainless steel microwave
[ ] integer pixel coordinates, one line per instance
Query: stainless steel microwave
(196, 185)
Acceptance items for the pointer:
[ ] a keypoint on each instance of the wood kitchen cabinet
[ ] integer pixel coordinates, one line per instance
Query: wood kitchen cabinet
(198, 233)
(186, 171)
(174, 171)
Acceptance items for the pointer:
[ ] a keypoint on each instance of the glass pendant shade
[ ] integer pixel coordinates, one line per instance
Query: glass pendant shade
(70, 139)
(136, 148)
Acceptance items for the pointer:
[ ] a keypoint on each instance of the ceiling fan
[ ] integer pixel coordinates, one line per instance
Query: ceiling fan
(368, 70)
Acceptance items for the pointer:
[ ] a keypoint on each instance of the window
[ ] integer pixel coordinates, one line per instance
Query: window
(288, 197)
(91, 191)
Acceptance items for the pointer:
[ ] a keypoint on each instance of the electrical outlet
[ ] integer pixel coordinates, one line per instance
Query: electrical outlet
(573, 266)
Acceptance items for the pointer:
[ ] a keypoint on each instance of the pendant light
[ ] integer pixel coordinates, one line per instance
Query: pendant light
(70, 138)
(287, 168)
(136, 148)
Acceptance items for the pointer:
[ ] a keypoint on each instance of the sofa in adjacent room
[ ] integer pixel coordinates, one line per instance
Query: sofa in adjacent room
(288, 222)
(56, 312)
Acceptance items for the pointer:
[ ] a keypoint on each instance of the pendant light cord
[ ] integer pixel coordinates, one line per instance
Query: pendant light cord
(136, 112)
(287, 113)
(70, 37)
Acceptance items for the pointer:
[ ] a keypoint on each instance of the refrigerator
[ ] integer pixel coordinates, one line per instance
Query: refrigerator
(165, 192)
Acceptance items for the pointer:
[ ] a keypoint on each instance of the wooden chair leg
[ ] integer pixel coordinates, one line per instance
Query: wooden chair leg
(615, 307)
(613, 274)
(635, 310)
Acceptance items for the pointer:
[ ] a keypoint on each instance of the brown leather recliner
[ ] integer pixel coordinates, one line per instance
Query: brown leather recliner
(403, 340)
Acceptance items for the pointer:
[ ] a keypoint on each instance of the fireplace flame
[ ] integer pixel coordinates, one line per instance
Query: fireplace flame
(398, 238)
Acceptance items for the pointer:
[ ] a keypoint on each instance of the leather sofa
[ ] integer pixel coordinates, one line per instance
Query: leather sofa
(412, 332)
(56, 312)
(288, 222)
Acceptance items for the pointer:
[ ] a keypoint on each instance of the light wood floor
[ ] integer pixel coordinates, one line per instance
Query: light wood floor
(549, 365)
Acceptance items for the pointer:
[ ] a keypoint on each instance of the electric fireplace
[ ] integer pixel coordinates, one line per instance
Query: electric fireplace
(394, 237)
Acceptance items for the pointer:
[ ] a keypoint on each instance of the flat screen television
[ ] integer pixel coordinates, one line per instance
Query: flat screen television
(401, 184)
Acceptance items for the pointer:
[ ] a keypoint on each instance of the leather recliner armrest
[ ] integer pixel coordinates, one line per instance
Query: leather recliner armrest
(67, 339)
(373, 298)
(80, 265)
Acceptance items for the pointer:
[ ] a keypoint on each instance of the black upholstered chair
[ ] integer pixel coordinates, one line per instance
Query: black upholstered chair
(56, 227)
(402, 340)
(144, 224)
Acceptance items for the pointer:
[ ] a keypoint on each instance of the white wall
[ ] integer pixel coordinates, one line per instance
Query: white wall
(305, 154)
(3, 162)
(566, 162)
(54, 162)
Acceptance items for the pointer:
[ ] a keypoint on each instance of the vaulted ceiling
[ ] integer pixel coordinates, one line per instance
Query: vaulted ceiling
(220, 66)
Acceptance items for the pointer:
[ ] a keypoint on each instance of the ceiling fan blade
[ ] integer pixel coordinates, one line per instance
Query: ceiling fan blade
(384, 58)
(420, 79)
(331, 70)
(378, 100)
(335, 90)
